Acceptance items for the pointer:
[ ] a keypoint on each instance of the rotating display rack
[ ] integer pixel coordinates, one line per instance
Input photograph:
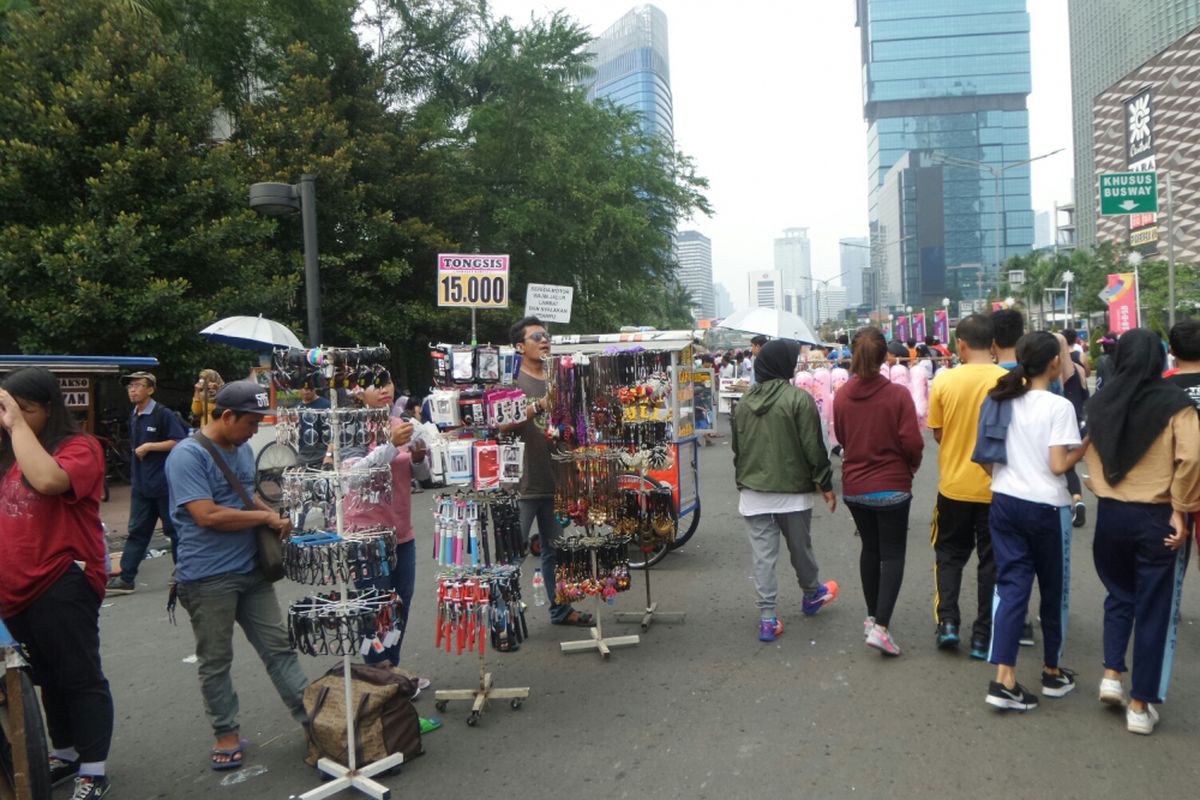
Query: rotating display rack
(343, 622)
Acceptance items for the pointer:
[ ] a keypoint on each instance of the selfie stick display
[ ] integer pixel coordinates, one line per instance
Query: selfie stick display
(339, 556)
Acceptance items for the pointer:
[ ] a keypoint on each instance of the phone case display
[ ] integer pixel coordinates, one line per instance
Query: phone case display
(342, 622)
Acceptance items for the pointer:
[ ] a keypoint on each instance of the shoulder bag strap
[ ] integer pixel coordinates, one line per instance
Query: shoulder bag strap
(207, 444)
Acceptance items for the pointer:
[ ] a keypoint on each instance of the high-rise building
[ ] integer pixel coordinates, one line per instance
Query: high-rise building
(951, 77)
(722, 300)
(632, 69)
(831, 302)
(1043, 232)
(854, 258)
(1148, 122)
(793, 262)
(766, 290)
(1109, 39)
(694, 252)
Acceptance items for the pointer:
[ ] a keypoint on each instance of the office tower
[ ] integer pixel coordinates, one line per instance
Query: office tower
(766, 290)
(793, 262)
(831, 302)
(854, 257)
(633, 68)
(722, 300)
(1043, 236)
(694, 252)
(1109, 39)
(1148, 122)
(951, 77)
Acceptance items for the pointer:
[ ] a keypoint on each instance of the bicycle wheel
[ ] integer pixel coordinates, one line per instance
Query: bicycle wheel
(30, 723)
(638, 558)
(682, 539)
(268, 470)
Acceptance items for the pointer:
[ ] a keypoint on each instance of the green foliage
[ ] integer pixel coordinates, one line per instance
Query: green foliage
(126, 226)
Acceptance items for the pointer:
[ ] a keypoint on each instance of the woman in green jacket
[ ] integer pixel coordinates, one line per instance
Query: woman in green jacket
(780, 462)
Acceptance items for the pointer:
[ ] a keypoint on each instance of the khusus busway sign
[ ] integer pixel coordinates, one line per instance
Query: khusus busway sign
(472, 281)
(1129, 193)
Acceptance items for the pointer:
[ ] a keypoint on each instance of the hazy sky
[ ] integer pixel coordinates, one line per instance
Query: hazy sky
(768, 101)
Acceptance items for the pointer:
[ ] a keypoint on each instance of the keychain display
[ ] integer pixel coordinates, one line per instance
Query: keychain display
(336, 625)
(323, 558)
(578, 575)
(475, 606)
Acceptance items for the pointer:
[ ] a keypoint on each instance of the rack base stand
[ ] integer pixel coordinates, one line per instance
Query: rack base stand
(480, 696)
(652, 613)
(345, 778)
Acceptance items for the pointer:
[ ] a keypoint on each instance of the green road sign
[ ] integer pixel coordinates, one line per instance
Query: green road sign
(1129, 193)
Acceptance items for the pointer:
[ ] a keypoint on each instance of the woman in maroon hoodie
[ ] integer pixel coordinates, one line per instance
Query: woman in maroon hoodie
(876, 423)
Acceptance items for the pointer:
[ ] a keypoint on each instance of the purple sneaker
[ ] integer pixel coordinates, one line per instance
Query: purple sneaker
(825, 594)
(768, 629)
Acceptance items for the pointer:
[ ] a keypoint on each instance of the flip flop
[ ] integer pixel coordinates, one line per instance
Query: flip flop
(236, 756)
(582, 620)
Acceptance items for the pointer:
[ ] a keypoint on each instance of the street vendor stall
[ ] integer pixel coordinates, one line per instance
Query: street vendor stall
(79, 377)
(682, 475)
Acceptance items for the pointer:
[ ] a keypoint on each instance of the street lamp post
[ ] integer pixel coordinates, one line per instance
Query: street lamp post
(279, 199)
(996, 173)
(1067, 277)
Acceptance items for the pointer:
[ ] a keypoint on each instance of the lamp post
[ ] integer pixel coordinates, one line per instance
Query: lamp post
(996, 173)
(1067, 277)
(279, 199)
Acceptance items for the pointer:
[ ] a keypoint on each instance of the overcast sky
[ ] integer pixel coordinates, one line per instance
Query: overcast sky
(768, 101)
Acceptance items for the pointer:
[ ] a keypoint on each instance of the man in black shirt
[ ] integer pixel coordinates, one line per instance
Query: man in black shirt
(1185, 346)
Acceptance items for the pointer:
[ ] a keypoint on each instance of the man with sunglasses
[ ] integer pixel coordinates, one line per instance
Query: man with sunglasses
(536, 489)
(153, 431)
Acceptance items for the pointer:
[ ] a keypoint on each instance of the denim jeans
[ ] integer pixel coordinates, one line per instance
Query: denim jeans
(402, 580)
(214, 604)
(144, 513)
(549, 530)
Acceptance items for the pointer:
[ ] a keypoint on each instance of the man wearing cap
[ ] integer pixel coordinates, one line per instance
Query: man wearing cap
(217, 575)
(154, 431)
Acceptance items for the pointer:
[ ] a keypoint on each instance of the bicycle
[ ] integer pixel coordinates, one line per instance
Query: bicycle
(24, 758)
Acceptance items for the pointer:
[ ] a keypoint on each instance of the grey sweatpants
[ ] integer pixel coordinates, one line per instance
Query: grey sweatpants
(765, 531)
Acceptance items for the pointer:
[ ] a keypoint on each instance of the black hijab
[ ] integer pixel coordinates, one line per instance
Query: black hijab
(1135, 406)
(776, 361)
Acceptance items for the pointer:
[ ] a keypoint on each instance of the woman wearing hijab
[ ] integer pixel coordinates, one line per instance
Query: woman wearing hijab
(780, 462)
(1145, 468)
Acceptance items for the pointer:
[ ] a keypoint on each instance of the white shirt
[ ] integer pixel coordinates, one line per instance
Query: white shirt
(752, 503)
(1040, 420)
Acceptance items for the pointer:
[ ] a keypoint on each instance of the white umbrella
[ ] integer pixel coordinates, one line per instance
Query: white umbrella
(251, 333)
(771, 322)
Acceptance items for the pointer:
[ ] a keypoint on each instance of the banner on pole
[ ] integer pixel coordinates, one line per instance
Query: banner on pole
(902, 328)
(887, 330)
(941, 326)
(1121, 296)
(918, 326)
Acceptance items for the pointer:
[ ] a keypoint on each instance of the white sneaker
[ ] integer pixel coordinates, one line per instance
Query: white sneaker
(1112, 693)
(868, 623)
(883, 642)
(1141, 722)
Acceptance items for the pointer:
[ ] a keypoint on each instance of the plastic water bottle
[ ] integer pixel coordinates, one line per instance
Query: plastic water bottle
(539, 588)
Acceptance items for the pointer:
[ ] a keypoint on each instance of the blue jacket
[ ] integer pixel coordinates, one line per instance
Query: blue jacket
(990, 436)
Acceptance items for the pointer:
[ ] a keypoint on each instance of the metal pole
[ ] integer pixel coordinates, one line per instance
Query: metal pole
(312, 274)
(1170, 255)
(1066, 304)
(473, 339)
(996, 215)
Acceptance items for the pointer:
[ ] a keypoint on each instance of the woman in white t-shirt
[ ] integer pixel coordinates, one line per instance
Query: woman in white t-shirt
(1030, 518)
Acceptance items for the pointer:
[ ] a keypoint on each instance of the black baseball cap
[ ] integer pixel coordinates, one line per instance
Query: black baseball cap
(897, 349)
(245, 396)
(142, 376)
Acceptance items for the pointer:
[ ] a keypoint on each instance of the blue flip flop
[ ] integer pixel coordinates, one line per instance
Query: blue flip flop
(236, 756)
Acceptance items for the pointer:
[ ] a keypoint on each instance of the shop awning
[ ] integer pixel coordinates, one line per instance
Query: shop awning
(83, 365)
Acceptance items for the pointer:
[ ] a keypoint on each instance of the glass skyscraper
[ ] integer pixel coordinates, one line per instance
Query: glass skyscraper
(693, 251)
(633, 71)
(950, 77)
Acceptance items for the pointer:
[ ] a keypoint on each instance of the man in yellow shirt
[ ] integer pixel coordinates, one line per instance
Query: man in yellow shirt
(960, 519)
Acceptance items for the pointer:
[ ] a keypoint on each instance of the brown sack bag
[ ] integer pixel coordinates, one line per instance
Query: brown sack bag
(385, 720)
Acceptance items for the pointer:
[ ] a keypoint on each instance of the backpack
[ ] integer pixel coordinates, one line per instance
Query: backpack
(385, 720)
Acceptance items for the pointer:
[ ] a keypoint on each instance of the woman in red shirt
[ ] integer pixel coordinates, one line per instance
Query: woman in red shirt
(54, 571)
(876, 422)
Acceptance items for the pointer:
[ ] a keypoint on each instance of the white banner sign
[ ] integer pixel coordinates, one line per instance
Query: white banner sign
(549, 303)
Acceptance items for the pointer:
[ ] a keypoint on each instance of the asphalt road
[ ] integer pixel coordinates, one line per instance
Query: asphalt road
(701, 709)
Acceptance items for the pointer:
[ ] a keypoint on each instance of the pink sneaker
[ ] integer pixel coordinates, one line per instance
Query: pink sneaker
(883, 642)
(868, 624)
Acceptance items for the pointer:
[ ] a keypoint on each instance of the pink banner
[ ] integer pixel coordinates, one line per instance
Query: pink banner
(918, 326)
(902, 328)
(1121, 296)
(941, 326)
(887, 330)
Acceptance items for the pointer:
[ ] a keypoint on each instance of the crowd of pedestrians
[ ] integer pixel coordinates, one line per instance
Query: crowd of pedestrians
(1011, 423)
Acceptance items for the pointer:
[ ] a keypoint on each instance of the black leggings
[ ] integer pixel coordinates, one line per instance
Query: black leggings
(62, 634)
(884, 533)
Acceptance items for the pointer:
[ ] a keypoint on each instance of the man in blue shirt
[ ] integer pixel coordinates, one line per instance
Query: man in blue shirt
(217, 573)
(153, 432)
